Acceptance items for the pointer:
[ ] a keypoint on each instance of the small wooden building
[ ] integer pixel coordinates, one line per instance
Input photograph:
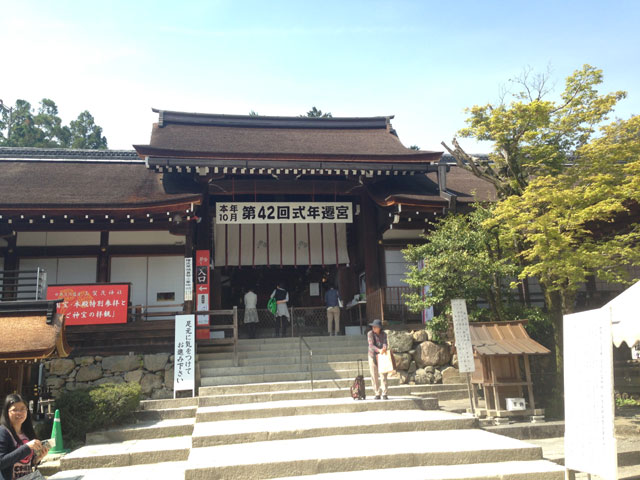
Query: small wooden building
(501, 351)
(33, 331)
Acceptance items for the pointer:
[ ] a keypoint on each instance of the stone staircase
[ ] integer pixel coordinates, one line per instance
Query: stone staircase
(262, 420)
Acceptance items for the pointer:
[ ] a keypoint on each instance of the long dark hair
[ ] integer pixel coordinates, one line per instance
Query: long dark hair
(27, 426)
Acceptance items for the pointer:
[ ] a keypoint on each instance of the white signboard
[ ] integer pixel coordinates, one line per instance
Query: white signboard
(188, 279)
(589, 441)
(283, 212)
(464, 348)
(185, 358)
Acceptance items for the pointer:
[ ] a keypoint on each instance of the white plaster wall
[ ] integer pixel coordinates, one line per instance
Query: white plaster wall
(56, 239)
(151, 237)
(396, 268)
(133, 270)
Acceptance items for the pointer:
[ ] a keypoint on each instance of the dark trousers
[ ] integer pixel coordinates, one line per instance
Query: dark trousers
(252, 327)
(281, 322)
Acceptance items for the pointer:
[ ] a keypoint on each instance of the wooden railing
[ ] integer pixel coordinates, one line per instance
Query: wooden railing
(233, 340)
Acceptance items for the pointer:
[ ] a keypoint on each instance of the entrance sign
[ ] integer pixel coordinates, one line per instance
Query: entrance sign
(589, 440)
(202, 290)
(188, 279)
(283, 212)
(184, 353)
(91, 304)
(464, 348)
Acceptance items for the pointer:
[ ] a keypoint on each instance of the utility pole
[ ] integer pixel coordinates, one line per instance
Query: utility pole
(10, 110)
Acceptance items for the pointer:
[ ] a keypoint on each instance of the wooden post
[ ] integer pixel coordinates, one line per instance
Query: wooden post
(369, 242)
(527, 371)
(235, 336)
(103, 258)
(471, 394)
(494, 381)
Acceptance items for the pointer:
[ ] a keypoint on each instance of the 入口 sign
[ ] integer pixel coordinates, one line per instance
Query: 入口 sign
(283, 212)
(203, 258)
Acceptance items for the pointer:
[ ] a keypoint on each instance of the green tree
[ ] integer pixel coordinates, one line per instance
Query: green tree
(85, 133)
(578, 223)
(414, 147)
(21, 126)
(531, 135)
(463, 259)
(317, 113)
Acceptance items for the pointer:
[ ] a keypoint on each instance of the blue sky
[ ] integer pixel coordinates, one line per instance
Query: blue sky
(422, 61)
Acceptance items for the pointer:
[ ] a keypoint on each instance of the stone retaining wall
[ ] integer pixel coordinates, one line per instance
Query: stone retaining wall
(153, 372)
(420, 361)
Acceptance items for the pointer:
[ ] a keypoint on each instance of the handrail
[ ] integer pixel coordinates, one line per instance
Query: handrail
(302, 340)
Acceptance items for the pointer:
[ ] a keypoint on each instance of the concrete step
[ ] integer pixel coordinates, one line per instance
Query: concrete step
(395, 391)
(523, 470)
(227, 360)
(156, 471)
(168, 403)
(144, 430)
(130, 452)
(228, 432)
(294, 343)
(343, 453)
(166, 413)
(278, 368)
(527, 431)
(288, 408)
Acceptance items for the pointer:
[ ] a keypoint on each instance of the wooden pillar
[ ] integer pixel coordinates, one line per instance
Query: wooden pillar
(369, 242)
(9, 283)
(527, 372)
(216, 288)
(103, 258)
(494, 381)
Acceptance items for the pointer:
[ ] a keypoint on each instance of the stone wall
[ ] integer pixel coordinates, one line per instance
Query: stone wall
(420, 361)
(153, 372)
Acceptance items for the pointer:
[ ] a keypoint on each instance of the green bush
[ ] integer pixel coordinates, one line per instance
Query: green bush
(100, 407)
(438, 328)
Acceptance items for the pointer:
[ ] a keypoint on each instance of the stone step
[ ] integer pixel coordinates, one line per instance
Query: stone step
(227, 361)
(129, 452)
(143, 431)
(399, 390)
(306, 426)
(156, 471)
(279, 368)
(290, 344)
(272, 354)
(166, 413)
(288, 408)
(523, 470)
(343, 453)
(169, 403)
(276, 377)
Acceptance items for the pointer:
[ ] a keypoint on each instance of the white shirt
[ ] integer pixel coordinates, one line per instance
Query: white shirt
(250, 300)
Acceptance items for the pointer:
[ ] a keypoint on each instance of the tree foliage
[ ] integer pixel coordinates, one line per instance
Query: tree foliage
(23, 126)
(533, 136)
(317, 113)
(462, 259)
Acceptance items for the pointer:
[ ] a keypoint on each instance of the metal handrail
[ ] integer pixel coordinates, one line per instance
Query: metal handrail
(302, 340)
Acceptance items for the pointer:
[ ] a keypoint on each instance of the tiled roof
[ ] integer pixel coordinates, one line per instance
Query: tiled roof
(206, 134)
(68, 155)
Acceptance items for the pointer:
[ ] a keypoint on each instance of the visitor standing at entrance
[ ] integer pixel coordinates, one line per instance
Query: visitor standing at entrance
(377, 344)
(282, 313)
(332, 301)
(251, 312)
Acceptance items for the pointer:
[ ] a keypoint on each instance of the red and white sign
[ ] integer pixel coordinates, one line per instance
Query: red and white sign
(203, 259)
(91, 304)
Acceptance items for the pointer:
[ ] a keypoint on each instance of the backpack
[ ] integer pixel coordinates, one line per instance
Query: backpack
(358, 390)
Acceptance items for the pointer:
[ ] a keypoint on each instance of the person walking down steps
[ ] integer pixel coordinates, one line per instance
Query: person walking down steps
(282, 313)
(377, 344)
(332, 301)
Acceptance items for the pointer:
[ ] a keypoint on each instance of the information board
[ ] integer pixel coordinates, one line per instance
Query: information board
(589, 439)
(184, 353)
(91, 304)
(283, 212)
(464, 348)
(188, 279)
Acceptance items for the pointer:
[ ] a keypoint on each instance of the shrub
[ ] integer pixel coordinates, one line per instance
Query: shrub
(439, 328)
(97, 408)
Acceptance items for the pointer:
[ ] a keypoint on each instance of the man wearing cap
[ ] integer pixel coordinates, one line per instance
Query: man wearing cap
(377, 344)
